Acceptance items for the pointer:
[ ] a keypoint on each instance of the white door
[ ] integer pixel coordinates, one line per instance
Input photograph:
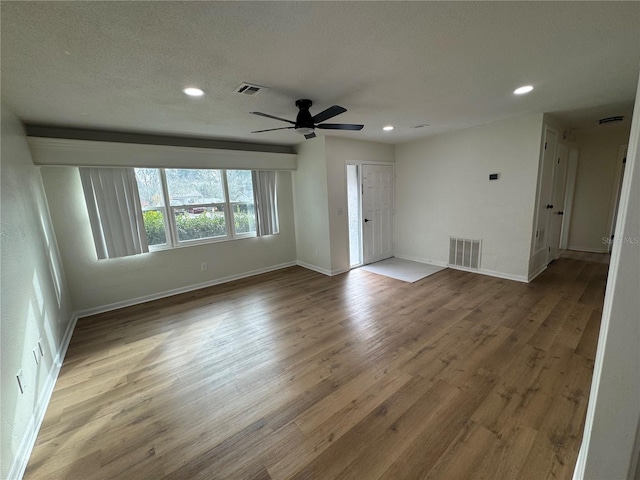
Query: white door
(545, 190)
(557, 200)
(377, 212)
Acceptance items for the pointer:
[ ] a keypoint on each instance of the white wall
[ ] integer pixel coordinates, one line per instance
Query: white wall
(613, 415)
(311, 206)
(590, 219)
(339, 152)
(34, 299)
(443, 189)
(96, 284)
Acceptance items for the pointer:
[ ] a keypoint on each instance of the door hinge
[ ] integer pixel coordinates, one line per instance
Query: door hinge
(624, 160)
(558, 160)
(537, 233)
(545, 145)
(549, 249)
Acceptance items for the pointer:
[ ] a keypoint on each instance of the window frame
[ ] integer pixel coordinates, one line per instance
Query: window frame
(171, 230)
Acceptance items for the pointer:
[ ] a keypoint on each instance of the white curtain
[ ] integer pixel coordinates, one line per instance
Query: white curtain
(115, 212)
(264, 195)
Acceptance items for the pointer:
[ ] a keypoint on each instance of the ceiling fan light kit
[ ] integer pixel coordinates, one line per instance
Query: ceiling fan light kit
(306, 124)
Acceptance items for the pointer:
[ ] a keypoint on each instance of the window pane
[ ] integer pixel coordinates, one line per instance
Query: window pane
(244, 217)
(154, 227)
(188, 186)
(149, 187)
(194, 223)
(240, 186)
(150, 190)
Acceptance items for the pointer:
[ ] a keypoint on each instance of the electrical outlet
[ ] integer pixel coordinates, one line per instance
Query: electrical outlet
(21, 384)
(203, 267)
(317, 253)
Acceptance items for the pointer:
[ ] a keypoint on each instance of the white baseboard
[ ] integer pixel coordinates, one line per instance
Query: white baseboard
(578, 472)
(588, 249)
(176, 291)
(315, 268)
(491, 273)
(339, 271)
(28, 441)
(428, 261)
(537, 272)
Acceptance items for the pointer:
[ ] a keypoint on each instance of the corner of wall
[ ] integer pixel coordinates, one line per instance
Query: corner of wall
(30, 435)
(36, 308)
(311, 204)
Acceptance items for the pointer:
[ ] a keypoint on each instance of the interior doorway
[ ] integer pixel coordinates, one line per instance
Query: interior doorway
(617, 190)
(377, 213)
(572, 173)
(556, 216)
(354, 208)
(545, 192)
(370, 195)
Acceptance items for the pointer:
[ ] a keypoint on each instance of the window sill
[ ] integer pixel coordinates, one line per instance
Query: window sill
(193, 243)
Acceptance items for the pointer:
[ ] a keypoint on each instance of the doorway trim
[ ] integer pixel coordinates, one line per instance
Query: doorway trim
(615, 192)
(572, 174)
(359, 164)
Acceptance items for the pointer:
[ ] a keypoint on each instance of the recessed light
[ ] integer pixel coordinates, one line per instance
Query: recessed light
(193, 92)
(388, 128)
(523, 90)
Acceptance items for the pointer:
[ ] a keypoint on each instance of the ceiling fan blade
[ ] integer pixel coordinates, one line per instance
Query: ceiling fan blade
(272, 129)
(310, 135)
(340, 126)
(328, 113)
(274, 117)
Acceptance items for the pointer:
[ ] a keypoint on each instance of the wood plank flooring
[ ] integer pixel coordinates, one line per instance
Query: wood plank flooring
(295, 375)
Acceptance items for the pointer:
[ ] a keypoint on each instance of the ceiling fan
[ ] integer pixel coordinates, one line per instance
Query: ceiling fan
(305, 124)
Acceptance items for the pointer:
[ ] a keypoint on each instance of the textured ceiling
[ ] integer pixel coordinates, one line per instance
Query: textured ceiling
(122, 65)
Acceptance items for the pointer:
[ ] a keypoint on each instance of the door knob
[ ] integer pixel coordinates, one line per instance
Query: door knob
(366, 220)
(560, 213)
(549, 206)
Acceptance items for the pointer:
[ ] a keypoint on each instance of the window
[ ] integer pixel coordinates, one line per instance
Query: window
(187, 206)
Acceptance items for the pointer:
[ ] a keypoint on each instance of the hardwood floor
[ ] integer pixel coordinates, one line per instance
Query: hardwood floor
(295, 375)
(586, 256)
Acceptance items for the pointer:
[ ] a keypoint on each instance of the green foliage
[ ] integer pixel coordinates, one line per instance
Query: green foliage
(195, 227)
(154, 227)
(202, 226)
(244, 221)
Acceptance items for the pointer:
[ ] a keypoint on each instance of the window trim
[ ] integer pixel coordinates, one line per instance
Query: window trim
(171, 232)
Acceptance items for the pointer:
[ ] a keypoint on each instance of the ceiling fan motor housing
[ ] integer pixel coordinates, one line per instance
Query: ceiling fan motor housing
(304, 118)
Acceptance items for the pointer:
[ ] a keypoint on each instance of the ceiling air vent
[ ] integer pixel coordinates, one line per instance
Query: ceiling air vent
(250, 89)
(611, 119)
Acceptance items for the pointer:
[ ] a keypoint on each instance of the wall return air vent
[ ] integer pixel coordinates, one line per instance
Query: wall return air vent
(464, 252)
(250, 89)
